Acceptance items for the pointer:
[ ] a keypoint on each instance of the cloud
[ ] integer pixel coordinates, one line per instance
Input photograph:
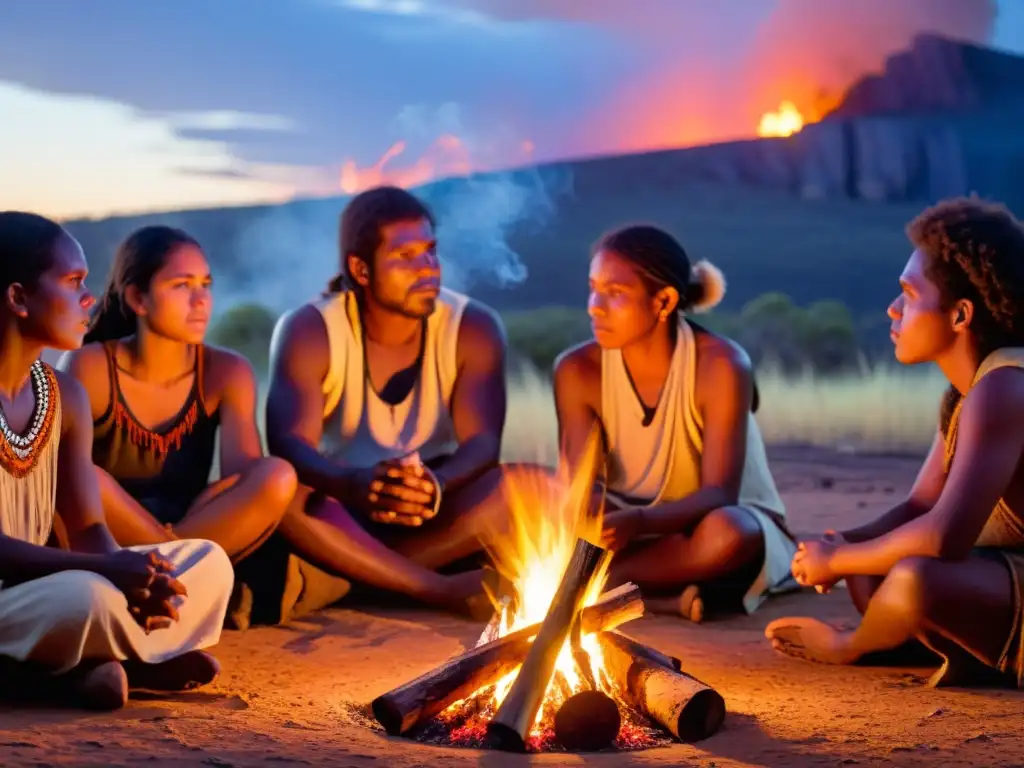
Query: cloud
(334, 72)
(293, 88)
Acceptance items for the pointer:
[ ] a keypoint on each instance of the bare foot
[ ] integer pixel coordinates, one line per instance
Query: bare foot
(182, 673)
(466, 595)
(810, 639)
(103, 686)
(689, 604)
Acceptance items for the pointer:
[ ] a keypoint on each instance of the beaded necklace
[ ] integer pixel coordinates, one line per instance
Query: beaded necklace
(19, 452)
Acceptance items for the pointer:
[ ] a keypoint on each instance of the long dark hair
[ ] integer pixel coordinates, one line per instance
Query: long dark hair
(362, 220)
(137, 259)
(26, 247)
(975, 251)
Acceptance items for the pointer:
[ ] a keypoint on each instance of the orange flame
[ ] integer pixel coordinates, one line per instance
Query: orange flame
(446, 157)
(785, 121)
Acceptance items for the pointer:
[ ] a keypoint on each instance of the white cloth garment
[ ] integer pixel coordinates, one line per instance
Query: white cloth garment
(661, 462)
(66, 617)
(360, 429)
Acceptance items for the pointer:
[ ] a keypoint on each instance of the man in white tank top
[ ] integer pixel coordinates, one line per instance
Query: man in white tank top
(388, 397)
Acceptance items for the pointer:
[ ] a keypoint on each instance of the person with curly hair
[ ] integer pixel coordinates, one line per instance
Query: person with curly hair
(691, 509)
(946, 566)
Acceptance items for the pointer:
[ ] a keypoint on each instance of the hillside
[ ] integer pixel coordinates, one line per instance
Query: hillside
(819, 215)
(763, 239)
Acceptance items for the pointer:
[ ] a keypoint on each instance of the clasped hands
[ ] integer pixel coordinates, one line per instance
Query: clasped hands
(148, 583)
(812, 563)
(399, 494)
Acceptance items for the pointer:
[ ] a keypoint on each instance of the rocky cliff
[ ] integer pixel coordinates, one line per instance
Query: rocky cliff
(944, 118)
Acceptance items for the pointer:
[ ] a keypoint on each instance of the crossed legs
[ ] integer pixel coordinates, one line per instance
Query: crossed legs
(961, 610)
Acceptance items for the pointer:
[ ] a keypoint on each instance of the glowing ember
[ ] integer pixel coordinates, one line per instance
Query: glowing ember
(786, 121)
(551, 593)
(532, 556)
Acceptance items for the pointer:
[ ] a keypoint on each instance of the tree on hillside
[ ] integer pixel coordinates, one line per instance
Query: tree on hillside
(246, 328)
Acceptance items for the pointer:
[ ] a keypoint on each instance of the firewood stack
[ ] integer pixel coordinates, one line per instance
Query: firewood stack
(645, 679)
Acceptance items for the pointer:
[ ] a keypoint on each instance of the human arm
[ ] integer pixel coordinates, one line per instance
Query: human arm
(140, 576)
(299, 362)
(479, 399)
(577, 377)
(990, 442)
(239, 436)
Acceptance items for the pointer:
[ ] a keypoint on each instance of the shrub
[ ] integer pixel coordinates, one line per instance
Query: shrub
(246, 328)
(541, 334)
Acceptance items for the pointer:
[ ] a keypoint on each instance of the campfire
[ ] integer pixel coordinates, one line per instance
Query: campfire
(551, 670)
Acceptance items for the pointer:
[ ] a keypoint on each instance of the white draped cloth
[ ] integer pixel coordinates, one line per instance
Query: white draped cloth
(62, 619)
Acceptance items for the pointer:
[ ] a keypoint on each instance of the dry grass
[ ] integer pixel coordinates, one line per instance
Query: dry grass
(887, 409)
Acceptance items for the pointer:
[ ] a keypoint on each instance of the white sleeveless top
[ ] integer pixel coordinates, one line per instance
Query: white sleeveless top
(662, 461)
(362, 430)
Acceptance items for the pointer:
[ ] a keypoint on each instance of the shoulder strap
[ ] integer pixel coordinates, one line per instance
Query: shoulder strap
(110, 353)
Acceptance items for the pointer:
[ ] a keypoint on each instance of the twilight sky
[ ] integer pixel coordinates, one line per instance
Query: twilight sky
(122, 106)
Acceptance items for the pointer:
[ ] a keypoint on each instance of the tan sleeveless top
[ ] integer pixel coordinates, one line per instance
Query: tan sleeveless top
(360, 429)
(28, 481)
(1004, 528)
(661, 462)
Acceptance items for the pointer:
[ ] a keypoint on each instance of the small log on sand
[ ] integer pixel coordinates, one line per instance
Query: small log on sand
(686, 707)
(587, 721)
(512, 722)
(404, 707)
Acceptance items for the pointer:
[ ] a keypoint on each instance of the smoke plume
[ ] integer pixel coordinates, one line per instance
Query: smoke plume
(288, 255)
(696, 90)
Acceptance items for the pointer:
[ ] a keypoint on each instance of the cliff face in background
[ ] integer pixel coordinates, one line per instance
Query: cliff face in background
(817, 215)
(944, 118)
(937, 74)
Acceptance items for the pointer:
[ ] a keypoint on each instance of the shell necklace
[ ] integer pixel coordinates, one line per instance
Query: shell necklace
(18, 453)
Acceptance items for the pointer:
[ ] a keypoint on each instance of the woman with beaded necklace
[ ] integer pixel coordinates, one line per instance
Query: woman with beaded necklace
(97, 617)
(945, 566)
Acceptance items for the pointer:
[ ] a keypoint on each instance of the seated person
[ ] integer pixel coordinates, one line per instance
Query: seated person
(100, 617)
(692, 509)
(388, 397)
(946, 566)
(158, 396)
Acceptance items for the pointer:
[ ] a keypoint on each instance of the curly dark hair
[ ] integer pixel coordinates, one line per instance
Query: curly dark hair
(975, 251)
(362, 220)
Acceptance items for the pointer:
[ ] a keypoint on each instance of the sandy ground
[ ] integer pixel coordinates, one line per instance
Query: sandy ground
(283, 697)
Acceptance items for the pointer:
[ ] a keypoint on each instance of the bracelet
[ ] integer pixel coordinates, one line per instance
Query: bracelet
(439, 489)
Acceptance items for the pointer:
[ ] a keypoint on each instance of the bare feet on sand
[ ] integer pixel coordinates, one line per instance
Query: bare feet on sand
(810, 639)
(182, 673)
(689, 604)
(102, 686)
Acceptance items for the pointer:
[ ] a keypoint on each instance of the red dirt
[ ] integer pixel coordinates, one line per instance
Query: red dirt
(285, 695)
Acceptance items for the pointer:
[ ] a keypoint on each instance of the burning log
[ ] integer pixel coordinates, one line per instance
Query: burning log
(512, 722)
(588, 721)
(682, 704)
(404, 707)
